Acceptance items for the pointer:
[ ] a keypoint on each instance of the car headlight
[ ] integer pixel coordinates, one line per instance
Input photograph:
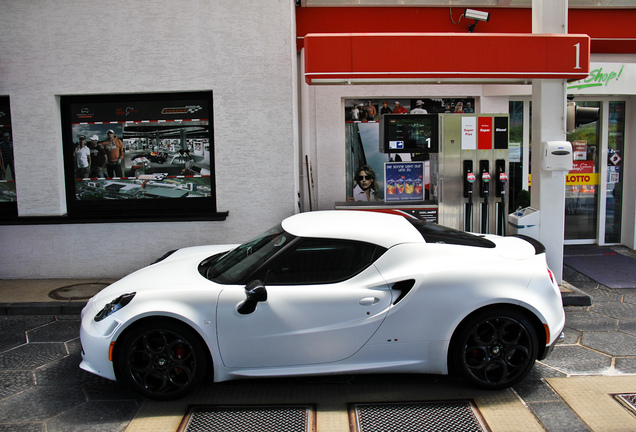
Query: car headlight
(114, 306)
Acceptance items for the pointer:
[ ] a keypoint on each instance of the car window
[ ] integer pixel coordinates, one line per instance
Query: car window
(434, 233)
(240, 262)
(319, 261)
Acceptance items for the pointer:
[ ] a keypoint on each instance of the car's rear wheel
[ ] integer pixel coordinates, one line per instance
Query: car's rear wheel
(494, 348)
(162, 359)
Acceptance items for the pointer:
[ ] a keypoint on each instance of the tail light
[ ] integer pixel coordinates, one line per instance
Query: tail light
(551, 277)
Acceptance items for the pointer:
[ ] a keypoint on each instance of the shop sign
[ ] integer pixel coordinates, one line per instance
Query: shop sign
(606, 78)
(582, 174)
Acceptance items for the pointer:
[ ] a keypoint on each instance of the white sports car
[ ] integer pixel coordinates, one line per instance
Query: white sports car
(326, 293)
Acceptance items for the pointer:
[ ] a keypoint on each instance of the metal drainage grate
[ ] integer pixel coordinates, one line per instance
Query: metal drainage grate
(628, 400)
(456, 416)
(287, 418)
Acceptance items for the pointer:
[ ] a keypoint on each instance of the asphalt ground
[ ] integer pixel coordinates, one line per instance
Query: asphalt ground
(582, 386)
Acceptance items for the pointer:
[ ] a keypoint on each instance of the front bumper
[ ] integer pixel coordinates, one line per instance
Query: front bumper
(95, 339)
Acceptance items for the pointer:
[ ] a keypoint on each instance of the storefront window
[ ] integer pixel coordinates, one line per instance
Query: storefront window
(581, 186)
(362, 138)
(8, 197)
(614, 181)
(516, 157)
(145, 156)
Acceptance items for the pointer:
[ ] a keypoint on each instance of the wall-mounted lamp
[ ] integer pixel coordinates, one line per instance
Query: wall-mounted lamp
(477, 16)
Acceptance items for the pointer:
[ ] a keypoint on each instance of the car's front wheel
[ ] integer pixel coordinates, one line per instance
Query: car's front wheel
(161, 359)
(494, 348)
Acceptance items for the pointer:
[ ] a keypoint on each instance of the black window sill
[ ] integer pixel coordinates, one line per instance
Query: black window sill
(56, 220)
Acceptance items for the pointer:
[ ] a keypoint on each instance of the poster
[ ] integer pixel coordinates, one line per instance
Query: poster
(404, 181)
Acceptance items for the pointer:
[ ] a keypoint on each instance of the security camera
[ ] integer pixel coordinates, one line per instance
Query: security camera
(476, 15)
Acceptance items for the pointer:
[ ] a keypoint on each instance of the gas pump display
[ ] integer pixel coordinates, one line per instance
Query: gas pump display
(413, 133)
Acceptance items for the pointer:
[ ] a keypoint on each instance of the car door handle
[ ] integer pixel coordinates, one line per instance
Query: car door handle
(369, 301)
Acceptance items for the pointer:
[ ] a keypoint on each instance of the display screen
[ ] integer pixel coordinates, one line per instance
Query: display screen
(136, 154)
(409, 133)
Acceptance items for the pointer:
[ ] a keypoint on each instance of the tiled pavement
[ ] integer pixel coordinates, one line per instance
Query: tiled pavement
(42, 389)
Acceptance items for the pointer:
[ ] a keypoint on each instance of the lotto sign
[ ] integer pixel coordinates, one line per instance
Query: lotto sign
(586, 179)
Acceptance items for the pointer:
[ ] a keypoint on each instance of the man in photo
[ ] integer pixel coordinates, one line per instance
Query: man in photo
(115, 154)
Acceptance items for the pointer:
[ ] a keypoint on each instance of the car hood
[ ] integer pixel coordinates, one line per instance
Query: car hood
(179, 269)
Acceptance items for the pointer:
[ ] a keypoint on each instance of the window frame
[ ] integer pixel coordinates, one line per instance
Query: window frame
(146, 209)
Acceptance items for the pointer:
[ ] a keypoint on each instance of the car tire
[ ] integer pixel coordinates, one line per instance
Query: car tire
(494, 349)
(162, 359)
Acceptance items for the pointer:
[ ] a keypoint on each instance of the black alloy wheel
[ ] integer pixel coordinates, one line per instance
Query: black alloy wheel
(495, 349)
(162, 359)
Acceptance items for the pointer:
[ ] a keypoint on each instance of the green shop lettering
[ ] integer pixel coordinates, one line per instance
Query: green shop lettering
(597, 78)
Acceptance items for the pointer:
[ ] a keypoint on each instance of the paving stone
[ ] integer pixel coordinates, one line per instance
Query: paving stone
(13, 329)
(57, 331)
(572, 336)
(627, 326)
(100, 416)
(534, 389)
(615, 309)
(31, 356)
(589, 321)
(575, 359)
(629, 295)
(15, 382)
(39, 404)
(24, 427)
(557, 417)
(625, 365)
(611, 343)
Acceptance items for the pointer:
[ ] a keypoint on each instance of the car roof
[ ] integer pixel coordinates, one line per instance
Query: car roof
(373, 227)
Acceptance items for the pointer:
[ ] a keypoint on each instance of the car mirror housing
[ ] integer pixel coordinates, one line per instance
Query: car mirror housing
(254, 292)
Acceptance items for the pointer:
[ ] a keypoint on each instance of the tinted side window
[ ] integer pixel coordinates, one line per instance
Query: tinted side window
(318, 261)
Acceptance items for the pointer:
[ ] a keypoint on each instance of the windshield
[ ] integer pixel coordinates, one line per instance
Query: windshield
(242, 261)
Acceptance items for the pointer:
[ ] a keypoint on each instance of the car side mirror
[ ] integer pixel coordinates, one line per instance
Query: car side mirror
(254, 292)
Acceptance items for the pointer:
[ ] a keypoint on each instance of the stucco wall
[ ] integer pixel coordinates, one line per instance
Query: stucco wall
(243, 51)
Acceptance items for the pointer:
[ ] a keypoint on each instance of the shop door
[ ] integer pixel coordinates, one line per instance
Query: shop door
(593, 192)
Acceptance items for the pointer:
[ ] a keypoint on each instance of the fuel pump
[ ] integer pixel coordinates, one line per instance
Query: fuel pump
(484, 192)
(469, 179)
(471, 146)
(500, 191)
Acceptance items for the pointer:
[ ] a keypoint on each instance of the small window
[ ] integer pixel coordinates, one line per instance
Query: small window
(320, 261)
(434, 233)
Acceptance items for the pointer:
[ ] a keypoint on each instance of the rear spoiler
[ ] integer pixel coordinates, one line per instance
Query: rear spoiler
(538, 246)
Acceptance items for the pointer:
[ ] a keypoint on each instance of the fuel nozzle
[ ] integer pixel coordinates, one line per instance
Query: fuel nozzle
(470, 177)
(485, 176)
(503, 177)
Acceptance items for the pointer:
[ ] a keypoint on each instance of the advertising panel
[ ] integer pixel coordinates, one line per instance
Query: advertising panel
(121, 150)
(404, 181)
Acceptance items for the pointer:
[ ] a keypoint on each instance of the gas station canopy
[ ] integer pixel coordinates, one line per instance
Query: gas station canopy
(402, 58)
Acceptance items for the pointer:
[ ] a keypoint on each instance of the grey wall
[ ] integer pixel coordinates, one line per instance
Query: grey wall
(243, 51)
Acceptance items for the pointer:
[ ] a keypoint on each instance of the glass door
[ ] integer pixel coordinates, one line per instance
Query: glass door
(582, 183)
(614, 176)
(593, 191)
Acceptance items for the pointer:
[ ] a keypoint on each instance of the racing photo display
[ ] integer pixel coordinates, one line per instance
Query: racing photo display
(138, 147)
